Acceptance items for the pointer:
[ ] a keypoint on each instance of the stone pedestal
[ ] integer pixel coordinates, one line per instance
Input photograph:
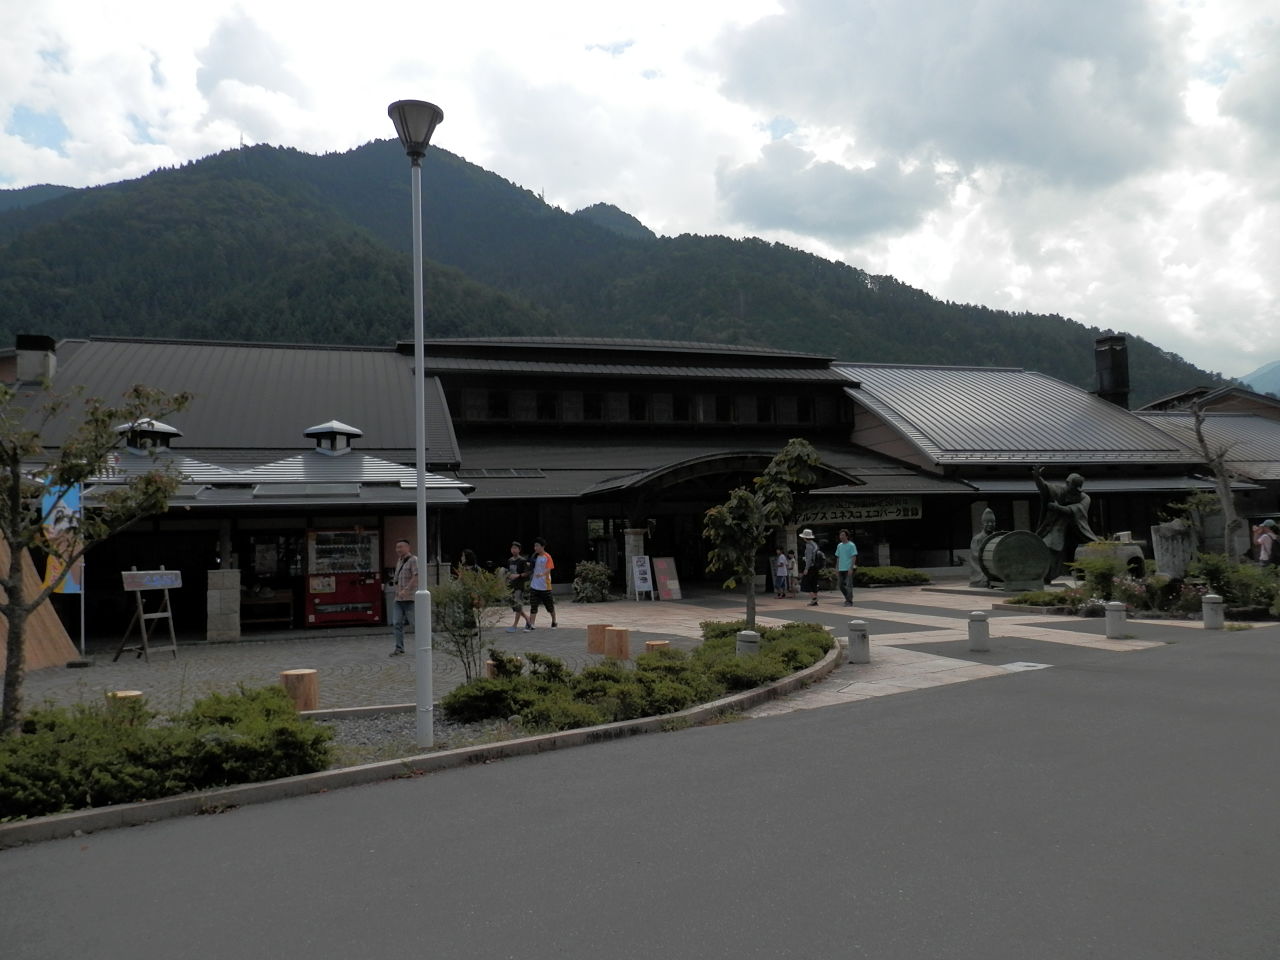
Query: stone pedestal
(223, 605)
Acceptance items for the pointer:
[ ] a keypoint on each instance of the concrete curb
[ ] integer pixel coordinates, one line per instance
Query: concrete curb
(77, 822)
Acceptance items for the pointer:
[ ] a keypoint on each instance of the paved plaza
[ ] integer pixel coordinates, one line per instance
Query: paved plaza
(918, 639)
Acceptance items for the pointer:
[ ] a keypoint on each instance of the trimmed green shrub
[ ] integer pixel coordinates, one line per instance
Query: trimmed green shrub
(68, 758)
(591, 582)
(662, 681)
(888, 576)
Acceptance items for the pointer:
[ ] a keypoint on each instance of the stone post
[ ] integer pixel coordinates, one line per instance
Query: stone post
(1115, 620)
(223, 605)
(1214, 614)
(748, 643)
(633, 542)
(979, 632)
(859, 649)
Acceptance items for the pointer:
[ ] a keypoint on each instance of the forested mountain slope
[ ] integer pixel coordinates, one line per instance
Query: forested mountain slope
(273, 244)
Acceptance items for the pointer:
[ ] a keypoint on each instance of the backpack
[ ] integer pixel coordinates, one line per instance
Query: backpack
(819, 561)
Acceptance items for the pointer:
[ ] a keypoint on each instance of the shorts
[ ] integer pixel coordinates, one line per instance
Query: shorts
(541, 597)
(517, 599)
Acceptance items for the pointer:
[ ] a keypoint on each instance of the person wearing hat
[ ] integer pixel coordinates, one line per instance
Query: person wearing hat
(517, 577)
(1264, 538)
(809, 574)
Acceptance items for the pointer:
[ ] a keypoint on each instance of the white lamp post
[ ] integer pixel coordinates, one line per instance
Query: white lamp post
(415, 121)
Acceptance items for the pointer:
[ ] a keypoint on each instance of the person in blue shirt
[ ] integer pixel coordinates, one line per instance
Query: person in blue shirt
(846, 564)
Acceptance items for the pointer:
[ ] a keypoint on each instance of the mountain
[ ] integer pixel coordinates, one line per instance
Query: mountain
(30, 196)
(1266, 379)
(272, 244)
(619, 221)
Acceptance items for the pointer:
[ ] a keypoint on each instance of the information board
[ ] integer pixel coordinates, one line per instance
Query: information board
(664, 571)
(641, 577)
(151, 579)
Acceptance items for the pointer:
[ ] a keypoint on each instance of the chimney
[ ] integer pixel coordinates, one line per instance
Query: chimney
(36, 360)
(144, 436)
(333, 439)
(1111, 359)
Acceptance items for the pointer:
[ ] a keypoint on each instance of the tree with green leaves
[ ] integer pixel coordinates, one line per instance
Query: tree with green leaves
(463, 609)
(28, 470)
(739, 527)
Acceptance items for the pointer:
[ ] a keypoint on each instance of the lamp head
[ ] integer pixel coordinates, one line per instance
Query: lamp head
(415, 121)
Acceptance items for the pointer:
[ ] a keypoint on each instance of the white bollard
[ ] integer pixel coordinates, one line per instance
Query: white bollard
(1213, 612)
(859, 649)
(979, 632)
(748, 643)
(1115, 620)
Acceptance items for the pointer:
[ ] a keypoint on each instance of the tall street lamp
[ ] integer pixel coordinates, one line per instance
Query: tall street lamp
(415, 121)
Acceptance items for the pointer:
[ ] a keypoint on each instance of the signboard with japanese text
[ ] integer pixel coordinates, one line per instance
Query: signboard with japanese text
(152, 579)
(641, 577)
(664, 571)
(858, 510)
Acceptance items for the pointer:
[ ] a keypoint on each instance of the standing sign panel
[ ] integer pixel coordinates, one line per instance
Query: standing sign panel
(664, 570)
(641, 578)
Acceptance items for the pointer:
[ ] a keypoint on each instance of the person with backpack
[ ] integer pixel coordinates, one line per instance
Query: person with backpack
(814, 560)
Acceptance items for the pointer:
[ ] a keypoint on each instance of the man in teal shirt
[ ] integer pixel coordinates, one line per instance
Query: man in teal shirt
(846, 563)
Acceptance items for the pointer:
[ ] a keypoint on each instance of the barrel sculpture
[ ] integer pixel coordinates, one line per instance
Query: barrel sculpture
(1016, 558)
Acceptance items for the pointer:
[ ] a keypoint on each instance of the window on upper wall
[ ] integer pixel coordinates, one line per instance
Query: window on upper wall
(499, 405)
(593, 406)
(764, 410)
(682, 408)
(724, 408)
(548, 405)
(638, 406)
(804, 409)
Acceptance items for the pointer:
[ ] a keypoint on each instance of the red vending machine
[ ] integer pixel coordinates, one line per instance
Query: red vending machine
(344, 584)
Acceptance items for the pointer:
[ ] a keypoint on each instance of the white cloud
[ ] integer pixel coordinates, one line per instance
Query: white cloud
(1110, 160)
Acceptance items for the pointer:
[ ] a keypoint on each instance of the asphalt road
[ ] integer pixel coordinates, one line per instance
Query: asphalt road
(1112, 806)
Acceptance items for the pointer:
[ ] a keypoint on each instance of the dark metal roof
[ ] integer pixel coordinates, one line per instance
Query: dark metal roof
(603, 464)
(1107, 485)
(606, 366)
(958, 415)
(263, 396)
(708, 353)
(1252, 442)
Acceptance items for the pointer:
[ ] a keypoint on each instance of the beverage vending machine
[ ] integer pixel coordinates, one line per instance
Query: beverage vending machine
(344, 584)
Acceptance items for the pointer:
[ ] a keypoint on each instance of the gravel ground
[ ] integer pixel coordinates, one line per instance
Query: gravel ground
(388, 736)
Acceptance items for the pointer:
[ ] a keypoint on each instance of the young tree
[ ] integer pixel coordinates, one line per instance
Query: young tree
(463, 609)
(1233, 528)
(739, 527)
(28, 470)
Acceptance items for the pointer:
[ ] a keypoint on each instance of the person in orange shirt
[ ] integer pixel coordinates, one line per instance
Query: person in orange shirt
(540, 583)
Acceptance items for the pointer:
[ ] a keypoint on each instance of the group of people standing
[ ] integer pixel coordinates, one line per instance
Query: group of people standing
(786, 566)
(524, 574)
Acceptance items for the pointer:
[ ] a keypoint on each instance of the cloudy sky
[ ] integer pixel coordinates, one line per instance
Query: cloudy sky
(1114, 161)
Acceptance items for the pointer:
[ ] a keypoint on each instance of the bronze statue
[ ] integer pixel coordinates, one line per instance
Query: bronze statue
(1064, 519)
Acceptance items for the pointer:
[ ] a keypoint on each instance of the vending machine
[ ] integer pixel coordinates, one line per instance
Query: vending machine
(344, 584)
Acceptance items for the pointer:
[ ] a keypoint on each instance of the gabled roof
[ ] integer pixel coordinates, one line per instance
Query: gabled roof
(957, 415)
(1252, 442)
(1230, 397)
(251, 396)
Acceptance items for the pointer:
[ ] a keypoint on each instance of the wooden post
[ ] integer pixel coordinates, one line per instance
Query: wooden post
(595, 636)
(490, 669)
(617, 643)
(652, 645)
(303, 687)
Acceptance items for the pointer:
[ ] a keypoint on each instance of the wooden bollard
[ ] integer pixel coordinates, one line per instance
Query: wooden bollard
(123, 694)
(617, 643)
(490, 669)
(652, 645)
(303, 688)
(595, 636)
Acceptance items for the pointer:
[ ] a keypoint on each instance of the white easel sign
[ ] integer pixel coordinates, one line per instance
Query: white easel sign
(641, 576)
